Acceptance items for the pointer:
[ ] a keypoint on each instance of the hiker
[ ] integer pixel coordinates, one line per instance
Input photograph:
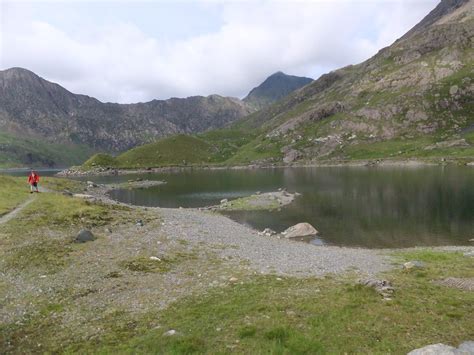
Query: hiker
(33, 180)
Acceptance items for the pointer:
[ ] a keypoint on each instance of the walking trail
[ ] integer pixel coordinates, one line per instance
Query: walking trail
(10, 215)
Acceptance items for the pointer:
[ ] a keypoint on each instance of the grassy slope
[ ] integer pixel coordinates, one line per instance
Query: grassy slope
(20, 152)
(214, 147)
(179, 149)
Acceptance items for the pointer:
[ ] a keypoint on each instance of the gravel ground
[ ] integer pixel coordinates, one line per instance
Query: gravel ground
(269, 254)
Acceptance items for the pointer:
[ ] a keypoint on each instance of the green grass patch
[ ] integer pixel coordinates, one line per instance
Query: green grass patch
(266, 315)
(410, 148)
(60, 185)
(13, 191)
(47, 256)
(165, 264)
(100, 160)
(176, 150)
(20, 151)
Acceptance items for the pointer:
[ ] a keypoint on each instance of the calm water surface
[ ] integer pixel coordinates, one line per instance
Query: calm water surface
(350, 206)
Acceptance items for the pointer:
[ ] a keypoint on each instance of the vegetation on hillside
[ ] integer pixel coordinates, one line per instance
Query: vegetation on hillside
(20, 151)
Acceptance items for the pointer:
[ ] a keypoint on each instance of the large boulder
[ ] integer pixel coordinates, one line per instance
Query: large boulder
(466, 348)
(300, 230)
(84, 236)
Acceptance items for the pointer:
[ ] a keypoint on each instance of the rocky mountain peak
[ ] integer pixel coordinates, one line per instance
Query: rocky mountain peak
(275, 87)
(446, 11)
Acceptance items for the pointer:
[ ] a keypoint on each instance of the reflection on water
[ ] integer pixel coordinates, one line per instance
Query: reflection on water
(356, 206)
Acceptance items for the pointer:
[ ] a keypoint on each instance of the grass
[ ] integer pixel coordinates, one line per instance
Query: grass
(144, 264)
(100, 159)
(176, 150)
(303, 316)
(13, 191)
(251, 203)
(409, 148)
(20, 151)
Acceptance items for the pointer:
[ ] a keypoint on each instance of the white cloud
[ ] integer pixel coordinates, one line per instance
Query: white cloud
(119, 61)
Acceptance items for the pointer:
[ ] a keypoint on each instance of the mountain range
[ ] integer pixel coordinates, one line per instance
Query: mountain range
(40, 120)
(413, 99)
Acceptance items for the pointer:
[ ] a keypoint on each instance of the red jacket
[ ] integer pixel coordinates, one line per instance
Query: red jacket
(33, 178)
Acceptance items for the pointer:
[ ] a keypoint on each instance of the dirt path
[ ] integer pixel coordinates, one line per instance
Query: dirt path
(10, 215)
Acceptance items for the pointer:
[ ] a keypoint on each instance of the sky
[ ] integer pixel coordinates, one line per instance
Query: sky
(134, 51)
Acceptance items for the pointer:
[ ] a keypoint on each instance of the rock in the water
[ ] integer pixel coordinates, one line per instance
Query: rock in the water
(224, 201)
(300, 230)
(414, 264)
(84, 236)
(435, 349)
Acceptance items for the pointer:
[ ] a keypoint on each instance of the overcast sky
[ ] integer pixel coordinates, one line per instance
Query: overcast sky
(130, 51)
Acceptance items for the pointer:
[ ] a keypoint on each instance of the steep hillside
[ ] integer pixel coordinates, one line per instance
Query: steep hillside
(274, 88)
(414, 98)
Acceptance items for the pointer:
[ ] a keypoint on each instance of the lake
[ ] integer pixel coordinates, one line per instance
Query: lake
(374, 207)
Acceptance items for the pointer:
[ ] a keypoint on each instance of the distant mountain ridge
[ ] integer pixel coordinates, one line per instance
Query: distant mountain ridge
(37, 111)
(274, 88)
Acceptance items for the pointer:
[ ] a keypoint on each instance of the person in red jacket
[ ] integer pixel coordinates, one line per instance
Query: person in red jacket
(33, 180)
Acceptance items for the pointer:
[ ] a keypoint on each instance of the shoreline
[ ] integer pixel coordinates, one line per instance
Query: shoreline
(110, 171)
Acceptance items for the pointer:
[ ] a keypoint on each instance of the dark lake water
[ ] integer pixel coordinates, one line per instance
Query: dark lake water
(26, 172)
(351, 206)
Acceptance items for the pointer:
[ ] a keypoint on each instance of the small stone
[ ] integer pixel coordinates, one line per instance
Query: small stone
(139, 223)
(471, 240)
(233, 279)
(84, 236)
(415, 264)
(155, 258)
(469, 254)
(453, 90)
(170, 332)
(258, 193)
(224, 201)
